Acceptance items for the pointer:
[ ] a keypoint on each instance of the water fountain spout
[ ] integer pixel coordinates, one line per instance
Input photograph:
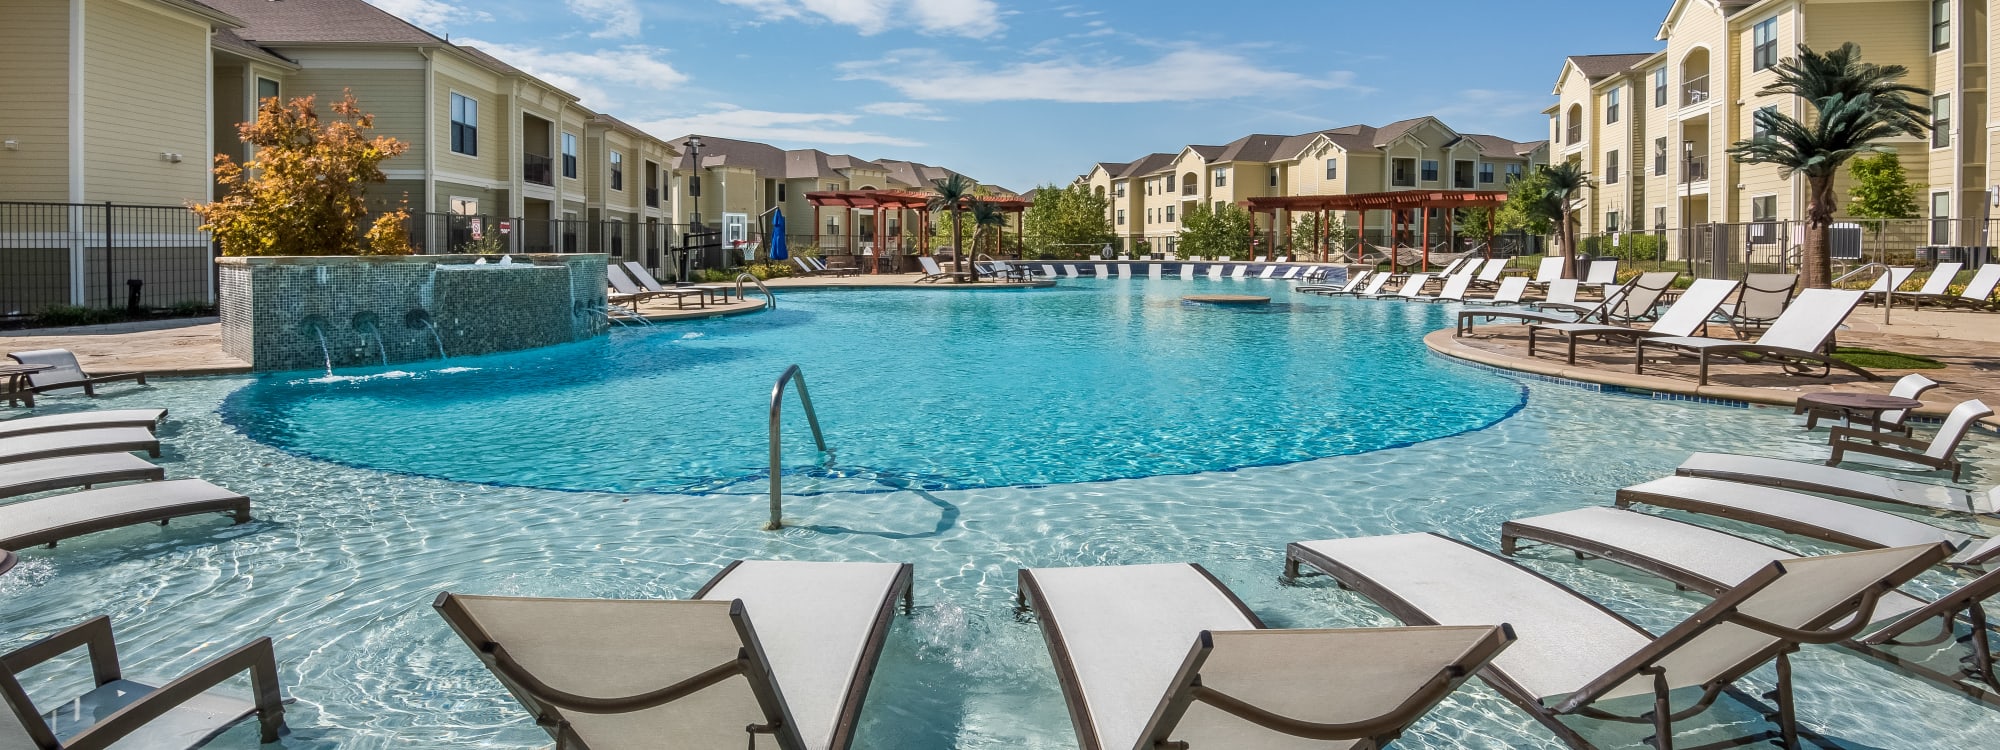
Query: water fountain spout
(420, 319)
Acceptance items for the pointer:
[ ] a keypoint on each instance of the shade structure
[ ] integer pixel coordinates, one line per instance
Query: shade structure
(1396, 202)
(778, 248)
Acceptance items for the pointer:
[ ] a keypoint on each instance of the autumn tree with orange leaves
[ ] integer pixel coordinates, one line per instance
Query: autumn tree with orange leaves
(301, 191)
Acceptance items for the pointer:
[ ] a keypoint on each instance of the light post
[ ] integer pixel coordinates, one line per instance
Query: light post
(693, 144)
(1687, 197)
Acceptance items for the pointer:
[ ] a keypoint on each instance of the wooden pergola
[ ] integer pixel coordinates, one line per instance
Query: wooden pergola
(902, 201)
(1396, 202)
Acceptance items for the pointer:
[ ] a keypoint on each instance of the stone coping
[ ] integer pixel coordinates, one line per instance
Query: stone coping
(328, 260)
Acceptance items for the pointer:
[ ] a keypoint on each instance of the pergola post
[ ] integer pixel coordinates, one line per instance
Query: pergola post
(815, 228)
(1424, 237)
(1361, 233)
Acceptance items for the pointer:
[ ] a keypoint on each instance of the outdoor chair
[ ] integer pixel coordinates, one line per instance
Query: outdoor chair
(1762, 300)
(1940, 453)
(82, 420)
(53, 518)
(1509, 293)
(1686, 317)
(1828, 480)
(1825, 519)
(78, 442)
(1798, 341)
(931, 270)
(1978, 293)
(1597, 313)
(1896, 420)
(1891, 280)
(719, 293)
(630, 293)
(65, 372)
(1453, 291)
(63, 472)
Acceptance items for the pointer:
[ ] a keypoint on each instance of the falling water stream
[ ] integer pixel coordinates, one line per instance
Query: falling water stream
(428, 323)
(379, 349)
(323, 351)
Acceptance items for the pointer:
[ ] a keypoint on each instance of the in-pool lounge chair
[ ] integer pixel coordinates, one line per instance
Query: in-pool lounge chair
(1710, 561)
(1412, 288)
(117, 712)
(778, 648)
(53, 518)
(1827, 480)
(1354, 282)
(1573, 657)
(1687, 317)
(1594, 313)
(1939, 453)
(82, 420)
(1762, 300)
(1978, 293)
(1798, 341)
(41, 475)
(1909, 386)
(1797, 513)
(1453, 291)
(1154, 655)
(78, 442)
(65, 372)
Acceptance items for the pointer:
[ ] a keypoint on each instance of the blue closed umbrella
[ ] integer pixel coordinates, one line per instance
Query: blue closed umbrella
(777, 234)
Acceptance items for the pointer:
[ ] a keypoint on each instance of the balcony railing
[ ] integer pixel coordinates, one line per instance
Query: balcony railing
(1189, 190)
(538, 169)
(652, 197)
(1695, 91)
(1695, 169)
(1575, 135)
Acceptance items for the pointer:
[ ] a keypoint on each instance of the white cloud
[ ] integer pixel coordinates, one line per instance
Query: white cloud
(1491, 104)
(617, 18)
(1184, 74)
(752, 124)
(586, 74)
(977, 19)
(911, 110)
(432, 14)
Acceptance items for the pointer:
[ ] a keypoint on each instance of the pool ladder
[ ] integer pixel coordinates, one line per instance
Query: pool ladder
(770, 300)
(1888, 297)
(792, 374)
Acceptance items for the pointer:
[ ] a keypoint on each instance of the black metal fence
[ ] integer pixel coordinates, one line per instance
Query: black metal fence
(92, 254)
(1734, 250)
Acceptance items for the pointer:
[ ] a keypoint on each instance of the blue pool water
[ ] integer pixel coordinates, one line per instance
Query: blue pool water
(1331, 417)
(942, 390)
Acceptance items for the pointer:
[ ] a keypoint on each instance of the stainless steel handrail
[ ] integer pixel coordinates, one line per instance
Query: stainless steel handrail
(777, 453)
(770, 300)
(1888, 297)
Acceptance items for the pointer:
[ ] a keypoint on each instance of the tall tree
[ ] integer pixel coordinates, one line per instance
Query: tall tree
(986, 215)
(1567, 183)
(302, 192)
(1064, 221)
(1209, 231)
(1529, 208)
(1475, 221)
(1309, 226)
(950, 194)
(1855, 105)
(1881, 191)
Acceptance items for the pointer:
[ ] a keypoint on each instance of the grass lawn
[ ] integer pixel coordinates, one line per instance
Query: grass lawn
(1876, 359)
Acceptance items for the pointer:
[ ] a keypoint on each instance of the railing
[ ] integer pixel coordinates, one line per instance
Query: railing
(1694, 169)
(1695, 91)
(1888, 297)
(792, 373)
(770, 300)
(538, 169)
(1189, 190)
(1575, 134)
(652, 197)
(54, 254)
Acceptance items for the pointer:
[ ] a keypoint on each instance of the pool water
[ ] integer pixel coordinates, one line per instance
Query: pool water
(352, 542)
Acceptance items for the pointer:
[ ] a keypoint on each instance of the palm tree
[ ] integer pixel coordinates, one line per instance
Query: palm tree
(1567, 182)
(985, 214)
(949, 194)
(1856, 106)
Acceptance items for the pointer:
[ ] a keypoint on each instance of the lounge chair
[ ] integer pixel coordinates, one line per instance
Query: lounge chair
(1237, 271)
(1488, 276)
(1762, 300)
(1687, 317)
(116, 712)
(1711, 562)
(53, 518)
(1796, 341)
(1215, 272)
(1373, 288)
(1896, 420)
(65, 372)
(1939, 453)
(1827, 480)
(78, 442)
(822, 267)
(1602, 274)
(1978, 294)
(42, 475)
(1354, 283)
(1155, 271)
(1281, 259)
(1574, 657)
(1797, 513)
(646, 282)
(1510, 292)
(1585, 315)
(1550, 270)
(1261, 259)
(1452, 267)
(628, 292)
(1266, 273)
(1453, 291)
(1412, 288)
(1069, 271)
(1291, 272)
(1936, 285)
(82, 420)
(780, 648)
(931, 270)
(1048, 270)
(1153, 655)
(1893, 280)
(1124, 270)
(1642, 295)
(805, 269)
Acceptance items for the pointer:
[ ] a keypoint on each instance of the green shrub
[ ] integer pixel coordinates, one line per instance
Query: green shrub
(769, 270)
(73, 315)
(713, 275)
(191, 309)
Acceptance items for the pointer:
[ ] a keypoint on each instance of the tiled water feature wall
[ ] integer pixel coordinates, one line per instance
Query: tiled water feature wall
(308, 313)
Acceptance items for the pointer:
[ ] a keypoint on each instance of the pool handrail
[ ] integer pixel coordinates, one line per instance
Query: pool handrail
(770, 300)
(792, 374)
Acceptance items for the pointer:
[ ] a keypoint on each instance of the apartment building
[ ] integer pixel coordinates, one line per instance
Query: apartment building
(1654, 127)
(1150, 196)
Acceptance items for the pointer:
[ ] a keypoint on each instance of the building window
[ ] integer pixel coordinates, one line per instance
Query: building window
(1513, 173)
(1941, 218)
(1660, 87)
(1764, 44)
(1333, 169)
(1170, 183)
(1611, 105)
(569, 155)
(464, 125)
(1222, 178)
(1486, 173)
(1273, 178)
(1430, 171)
(1170, 214)
(1659, 156)
(1764, 208)
(1121, 217)
(1404, 173)
(781, 192)
(617, 171)
(1611, 221)
(1941, 121)
(1118, 190)
(1611, 168)
(266, 89)
(1660, 218)
(1758, 130)
(1940, 25)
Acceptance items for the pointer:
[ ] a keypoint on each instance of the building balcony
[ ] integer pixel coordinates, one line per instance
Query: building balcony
(538, 169)
(1189, 190)
(1695, 91)
(1575, 134)
(652, 197)
(1695, 169)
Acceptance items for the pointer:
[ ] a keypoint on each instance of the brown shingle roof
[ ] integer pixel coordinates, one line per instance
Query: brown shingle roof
(1596, 67)
(1497, 147)
(227, 40)
(1146, 165)
(320, 22)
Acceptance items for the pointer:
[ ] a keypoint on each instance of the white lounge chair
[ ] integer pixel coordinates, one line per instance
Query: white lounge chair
(1124, 270)
(1152, 655)
(932, 272)
(78, 442)
(1215, 272)
(64, 372)
(41, 475)
(1103, 271)
(1453, 291)
(1791, 512)
(1574, 657)
(1602, 274)
(1796, 341)
(1687, 317)
(1595, 312)
(1049, 270)
(53, 518)
(1887, 282)
(1412, 287)
(1978, 293)
(1374, 287)
(1452, 267)
(1549, 270)
(780, 648)
(82, 420)
(1909, 386)
(717, 292)
(1488, 275)
(1762, 300)
(1292, 272)
(628, 292)
(1710, 561)
(1266, 273)
(1827, 480)
(116, 712)
(1354, 282)
(1510, 292)
(1154, 271)
(1939, 453)
(1237, 271)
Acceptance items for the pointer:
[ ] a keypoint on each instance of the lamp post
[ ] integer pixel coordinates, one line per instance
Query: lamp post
(693, 144)
(1687, 197)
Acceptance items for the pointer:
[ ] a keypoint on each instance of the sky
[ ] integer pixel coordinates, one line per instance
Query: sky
(1020, 93)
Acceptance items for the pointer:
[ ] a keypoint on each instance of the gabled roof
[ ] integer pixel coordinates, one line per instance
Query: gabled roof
(1207, 153)
(913, 174)
(1390, 132)
(1598, 67)
(320, 22)
(1351, 137)
(1147, 164)
(226, 40)
(1253, 148)
(1494, 146)
(843, 161)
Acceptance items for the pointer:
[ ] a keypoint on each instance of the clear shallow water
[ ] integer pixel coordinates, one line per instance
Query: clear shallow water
(342, 564)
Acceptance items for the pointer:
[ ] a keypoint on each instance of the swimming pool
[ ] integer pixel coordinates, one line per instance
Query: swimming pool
(350, 548)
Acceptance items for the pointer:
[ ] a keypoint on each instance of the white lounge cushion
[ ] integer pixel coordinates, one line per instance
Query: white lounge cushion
(40, 475)
(75, 442)
(1814, 516)
(1832, 480)
(82, 420)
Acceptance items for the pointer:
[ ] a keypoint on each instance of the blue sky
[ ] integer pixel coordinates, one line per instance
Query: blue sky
(1022, 92)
